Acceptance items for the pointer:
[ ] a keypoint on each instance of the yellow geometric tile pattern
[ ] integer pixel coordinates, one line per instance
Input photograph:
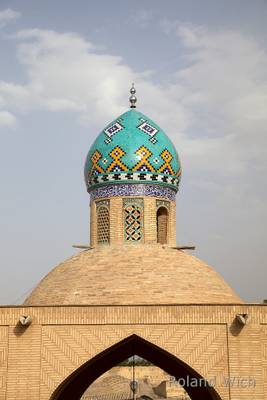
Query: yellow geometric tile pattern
(117, 165)
(95, 158)
(166, 166)
(144, 164)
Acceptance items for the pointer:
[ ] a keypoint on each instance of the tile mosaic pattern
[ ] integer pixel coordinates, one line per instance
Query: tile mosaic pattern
(163, 203)
(131, 177)
(149, 130)
(133, 190)
(143, 165)
(117, 165)
(133, 219)
(102, 203)
(111, 130)
(132, 149)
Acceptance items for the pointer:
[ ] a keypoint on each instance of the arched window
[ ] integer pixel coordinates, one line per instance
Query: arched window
(162, 225)
(103, 225)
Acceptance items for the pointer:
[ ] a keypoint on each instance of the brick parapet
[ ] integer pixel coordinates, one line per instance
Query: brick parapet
(135, 314)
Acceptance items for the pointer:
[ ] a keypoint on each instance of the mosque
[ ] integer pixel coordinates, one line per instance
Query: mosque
(133, 315)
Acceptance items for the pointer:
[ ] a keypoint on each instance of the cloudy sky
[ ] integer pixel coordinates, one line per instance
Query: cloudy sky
(200, 69)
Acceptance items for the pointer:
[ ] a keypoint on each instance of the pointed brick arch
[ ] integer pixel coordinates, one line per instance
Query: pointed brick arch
(162, 225)
(76, 384)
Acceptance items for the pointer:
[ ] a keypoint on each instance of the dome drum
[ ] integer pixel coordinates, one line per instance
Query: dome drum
(130, 220)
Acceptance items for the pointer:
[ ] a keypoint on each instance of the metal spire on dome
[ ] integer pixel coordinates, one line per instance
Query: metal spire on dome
(133, 98)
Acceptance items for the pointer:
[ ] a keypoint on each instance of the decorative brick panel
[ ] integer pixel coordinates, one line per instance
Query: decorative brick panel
(62, 338)
(65, 348)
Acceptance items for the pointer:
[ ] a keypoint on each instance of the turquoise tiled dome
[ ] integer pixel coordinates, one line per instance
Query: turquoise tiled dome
(132, 149)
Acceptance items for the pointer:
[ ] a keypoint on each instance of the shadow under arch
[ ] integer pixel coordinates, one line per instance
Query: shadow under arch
(76, 384)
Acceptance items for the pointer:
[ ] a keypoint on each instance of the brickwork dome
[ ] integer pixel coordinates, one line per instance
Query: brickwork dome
(132, 149)
(130, 274)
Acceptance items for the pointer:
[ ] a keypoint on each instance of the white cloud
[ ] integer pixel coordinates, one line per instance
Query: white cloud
(213, 109)
(65, 73)
(7, 16)
(143, 17)
(225, 87)
(7, 119)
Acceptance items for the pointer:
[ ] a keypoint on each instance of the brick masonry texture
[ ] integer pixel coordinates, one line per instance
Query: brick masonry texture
(117, 225)
(103, 295)
(132, 274)
(35, 360)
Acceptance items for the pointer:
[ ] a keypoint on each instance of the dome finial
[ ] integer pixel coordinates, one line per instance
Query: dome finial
(133, 98)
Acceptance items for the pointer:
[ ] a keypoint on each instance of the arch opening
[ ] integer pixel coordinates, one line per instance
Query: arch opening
(74, 386)
(103, 225)
(162, 225)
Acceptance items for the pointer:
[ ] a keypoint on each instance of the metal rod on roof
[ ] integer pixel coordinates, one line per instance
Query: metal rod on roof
(185, 247)
(81, 246)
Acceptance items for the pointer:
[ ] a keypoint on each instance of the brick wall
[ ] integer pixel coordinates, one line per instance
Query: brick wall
(149, 219)
(35, 360)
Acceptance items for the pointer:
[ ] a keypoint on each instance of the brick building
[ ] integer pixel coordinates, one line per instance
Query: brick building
(133, 290)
